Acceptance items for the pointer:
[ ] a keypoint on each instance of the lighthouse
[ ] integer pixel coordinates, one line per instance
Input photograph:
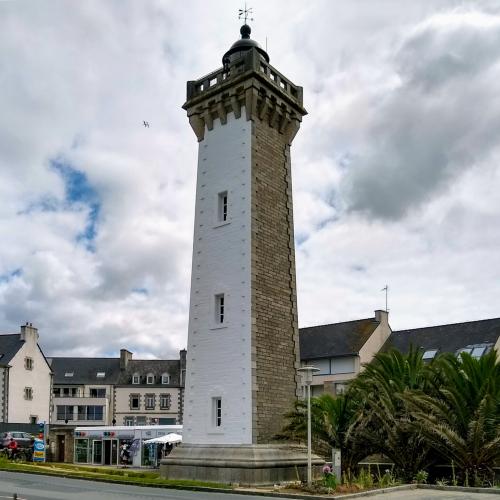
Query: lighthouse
(243, 346)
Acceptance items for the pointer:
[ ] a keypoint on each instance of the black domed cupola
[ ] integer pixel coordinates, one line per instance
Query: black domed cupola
(243, 44)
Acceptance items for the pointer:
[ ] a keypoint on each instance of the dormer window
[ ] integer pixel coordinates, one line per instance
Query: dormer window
(136, 379)
(429, 354)
(165, 378)
(150, 378)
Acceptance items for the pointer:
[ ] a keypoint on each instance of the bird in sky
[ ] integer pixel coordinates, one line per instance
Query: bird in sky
(146, 124)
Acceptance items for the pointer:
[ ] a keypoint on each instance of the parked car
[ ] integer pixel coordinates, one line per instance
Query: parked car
(24, 439)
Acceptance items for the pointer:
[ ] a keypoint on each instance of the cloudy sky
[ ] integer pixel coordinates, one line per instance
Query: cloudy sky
(396, 168)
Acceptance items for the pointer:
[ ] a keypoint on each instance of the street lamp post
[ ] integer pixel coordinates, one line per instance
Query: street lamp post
(307, 378)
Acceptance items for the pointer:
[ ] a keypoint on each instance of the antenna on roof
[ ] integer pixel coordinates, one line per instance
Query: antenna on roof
(386, 289)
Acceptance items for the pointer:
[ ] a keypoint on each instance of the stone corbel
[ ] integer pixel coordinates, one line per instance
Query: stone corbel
(207, 117)
(250, 102)
(236, 106)
(198, 125)
(221, 110)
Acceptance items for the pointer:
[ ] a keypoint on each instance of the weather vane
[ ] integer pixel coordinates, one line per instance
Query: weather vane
(245, 13)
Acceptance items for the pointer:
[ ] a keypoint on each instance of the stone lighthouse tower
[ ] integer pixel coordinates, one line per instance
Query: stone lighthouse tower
(242, 355)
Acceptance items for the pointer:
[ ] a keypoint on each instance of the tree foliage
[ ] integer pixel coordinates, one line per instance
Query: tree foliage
(413, 412)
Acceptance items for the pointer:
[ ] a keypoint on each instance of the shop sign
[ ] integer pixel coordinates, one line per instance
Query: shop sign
(39, 451)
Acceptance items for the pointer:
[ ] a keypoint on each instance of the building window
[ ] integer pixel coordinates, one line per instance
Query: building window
(100, 374)
(64, 412)
(150, 401)
(165, 400)
(97, 392)
(28, 393)
(136, 379)
(135, 401)
(70, 392)
(141, 420)
(33, 419)
(219, 309)
(429, 354)
(217, 411)
(150, 379)
(128, 421)
(222, 207)
(69, 374)
(28, 363)
(57, 392)
(165, 378)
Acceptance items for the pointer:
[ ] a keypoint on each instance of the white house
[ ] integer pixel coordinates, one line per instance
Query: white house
(25, 378)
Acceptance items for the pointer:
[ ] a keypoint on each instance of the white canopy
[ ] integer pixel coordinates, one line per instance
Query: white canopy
(167, 438)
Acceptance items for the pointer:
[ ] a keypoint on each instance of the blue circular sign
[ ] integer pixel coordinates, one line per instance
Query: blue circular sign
(39, 445)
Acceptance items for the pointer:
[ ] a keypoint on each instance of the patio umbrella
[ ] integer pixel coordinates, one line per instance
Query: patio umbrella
(167, 438)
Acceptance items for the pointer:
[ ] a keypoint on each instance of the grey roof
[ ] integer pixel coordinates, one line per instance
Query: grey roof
(338, 339)
(446, 338)
(85, 370)
(155, 366)
(9, 345)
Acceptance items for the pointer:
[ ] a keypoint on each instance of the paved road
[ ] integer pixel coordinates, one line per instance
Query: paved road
(37, 487)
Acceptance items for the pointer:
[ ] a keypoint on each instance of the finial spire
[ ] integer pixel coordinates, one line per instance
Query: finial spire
(245, 13)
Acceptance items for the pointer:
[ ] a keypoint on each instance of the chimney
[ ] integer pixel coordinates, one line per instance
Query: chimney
(382, 316)
(29, 333)
(125, 357)
(182, 363)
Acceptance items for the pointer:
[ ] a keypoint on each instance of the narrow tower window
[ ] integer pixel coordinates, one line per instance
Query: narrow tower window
(222, 209)
(217, 411)
(219, 309)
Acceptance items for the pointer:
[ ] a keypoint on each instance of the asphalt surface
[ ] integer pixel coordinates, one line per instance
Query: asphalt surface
(38, 487)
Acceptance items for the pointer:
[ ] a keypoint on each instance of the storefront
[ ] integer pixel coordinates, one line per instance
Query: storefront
(118, 445)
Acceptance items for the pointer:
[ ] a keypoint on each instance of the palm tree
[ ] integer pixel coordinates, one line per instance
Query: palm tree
(384, 422)
(462, 422)
(331, 418)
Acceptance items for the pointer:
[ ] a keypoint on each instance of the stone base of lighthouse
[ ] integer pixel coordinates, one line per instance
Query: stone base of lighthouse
(260, 464)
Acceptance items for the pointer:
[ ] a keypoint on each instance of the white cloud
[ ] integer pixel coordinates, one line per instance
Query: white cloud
(395, 168)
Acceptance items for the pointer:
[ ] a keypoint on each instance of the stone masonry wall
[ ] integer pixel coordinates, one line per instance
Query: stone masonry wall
(275, 348)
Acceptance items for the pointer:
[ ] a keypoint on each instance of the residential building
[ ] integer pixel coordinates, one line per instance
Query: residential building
(340, 350)
(123, 391)
(475, 337)
(83, 390)
(149, 391)
(25, 378)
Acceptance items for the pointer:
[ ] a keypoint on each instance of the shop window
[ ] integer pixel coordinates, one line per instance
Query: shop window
(82, 451)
